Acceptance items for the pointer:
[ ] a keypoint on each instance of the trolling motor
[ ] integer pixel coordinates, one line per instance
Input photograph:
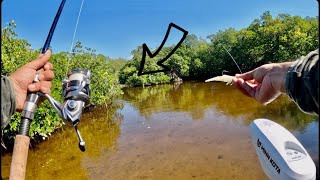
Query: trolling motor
(76, 93)
(280, 154)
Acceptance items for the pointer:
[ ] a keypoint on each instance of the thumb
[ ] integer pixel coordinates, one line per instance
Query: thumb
(40, 61)
(246, 76)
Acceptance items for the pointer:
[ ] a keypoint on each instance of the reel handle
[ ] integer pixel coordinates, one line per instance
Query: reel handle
(82, 144)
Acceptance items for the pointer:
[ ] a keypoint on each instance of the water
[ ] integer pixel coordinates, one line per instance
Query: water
(187, 131)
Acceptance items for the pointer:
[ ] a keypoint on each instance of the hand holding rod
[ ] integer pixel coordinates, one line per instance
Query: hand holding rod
(22, 141)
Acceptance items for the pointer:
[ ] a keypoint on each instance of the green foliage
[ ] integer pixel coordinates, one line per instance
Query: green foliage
(104, 80)
(129, 72)
(14, 51)
(116, 64)
(104, 84)
(267, 39)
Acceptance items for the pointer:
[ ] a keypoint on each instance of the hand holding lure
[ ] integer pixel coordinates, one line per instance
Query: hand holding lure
(225, 78)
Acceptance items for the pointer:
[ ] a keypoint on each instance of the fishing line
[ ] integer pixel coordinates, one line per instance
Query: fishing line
(231, 57)
(74, 35)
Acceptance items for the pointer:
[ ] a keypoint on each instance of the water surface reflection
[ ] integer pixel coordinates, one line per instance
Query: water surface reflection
(189, 131)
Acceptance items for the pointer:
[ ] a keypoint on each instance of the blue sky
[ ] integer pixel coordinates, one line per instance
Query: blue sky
(115, 28)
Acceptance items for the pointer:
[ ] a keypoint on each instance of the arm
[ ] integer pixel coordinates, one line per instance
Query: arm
(298, 79)
(8, 101)
(302, 83)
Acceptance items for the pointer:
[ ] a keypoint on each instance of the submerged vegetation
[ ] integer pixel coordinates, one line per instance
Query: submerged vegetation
(265, 40)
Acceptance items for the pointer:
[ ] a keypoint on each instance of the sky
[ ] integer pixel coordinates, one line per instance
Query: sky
(115, 28)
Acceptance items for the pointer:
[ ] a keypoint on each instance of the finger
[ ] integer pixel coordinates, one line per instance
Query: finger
(246, 76)
(252, 81)
(39, 62)
(266, 93)
(35, 87)
(234, 80)
(40, 55)
(46, 76)
(236, 83)
(45, 90)
(247, 88)
(252, 85)
(40, 71)
(48, 66)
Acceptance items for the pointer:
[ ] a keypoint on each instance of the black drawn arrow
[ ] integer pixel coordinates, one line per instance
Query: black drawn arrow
(145, 50)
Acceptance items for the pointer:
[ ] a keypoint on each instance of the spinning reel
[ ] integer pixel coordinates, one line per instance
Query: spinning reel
(76, 93)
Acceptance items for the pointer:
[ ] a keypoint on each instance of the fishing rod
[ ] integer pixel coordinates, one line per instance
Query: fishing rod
(76, 94)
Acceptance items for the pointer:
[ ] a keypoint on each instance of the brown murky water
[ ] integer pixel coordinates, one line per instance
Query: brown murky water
(187, 131)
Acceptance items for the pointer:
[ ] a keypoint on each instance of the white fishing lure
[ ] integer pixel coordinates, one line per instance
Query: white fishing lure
(223, 78)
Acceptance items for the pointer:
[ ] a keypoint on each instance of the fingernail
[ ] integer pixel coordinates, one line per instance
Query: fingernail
(40, 76)
(32, 86)
(49, 50)
(44, 90)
